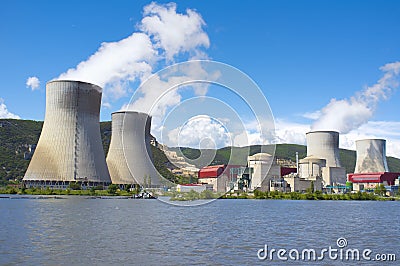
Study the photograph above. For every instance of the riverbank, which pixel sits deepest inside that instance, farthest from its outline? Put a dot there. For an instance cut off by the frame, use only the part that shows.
(318, 195)
(277, 195)
(78, 192)
(192, 195)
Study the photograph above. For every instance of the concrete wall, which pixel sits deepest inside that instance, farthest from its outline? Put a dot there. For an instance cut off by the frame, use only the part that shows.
(262, 175)
(219, 184)
(301, 185)
(334, 175)
(311, 167)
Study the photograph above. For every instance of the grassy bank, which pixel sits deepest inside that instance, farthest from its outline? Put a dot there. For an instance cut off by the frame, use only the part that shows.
(48, 191)
(193, 195)
(318, 195)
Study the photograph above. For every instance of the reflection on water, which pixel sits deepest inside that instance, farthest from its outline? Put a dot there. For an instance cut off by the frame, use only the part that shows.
(77, 230)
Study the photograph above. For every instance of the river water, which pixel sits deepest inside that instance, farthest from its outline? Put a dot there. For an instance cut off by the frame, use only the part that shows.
(83, 231)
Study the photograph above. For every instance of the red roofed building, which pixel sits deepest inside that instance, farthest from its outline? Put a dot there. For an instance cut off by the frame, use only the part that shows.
(211, 171)
(362, 181)
(287, 170)
(220, 176)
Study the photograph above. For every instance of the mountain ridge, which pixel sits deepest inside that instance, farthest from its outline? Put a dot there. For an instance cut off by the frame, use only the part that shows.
(16, 136)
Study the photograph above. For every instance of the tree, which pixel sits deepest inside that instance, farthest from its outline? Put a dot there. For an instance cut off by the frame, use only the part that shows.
(128, 188)
(92, 191)
(310, 190)
(380, 189)
(74, 186)
(112, 189)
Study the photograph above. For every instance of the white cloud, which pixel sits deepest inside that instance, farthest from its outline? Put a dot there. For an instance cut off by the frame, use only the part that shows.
(290, 132)
(206, 132)
(312, 115)
(161, 90)
(348, 114)
(115, 64)
(33, 83)
(164, 35)
(200, 132)
(174, 33)
(4, 113)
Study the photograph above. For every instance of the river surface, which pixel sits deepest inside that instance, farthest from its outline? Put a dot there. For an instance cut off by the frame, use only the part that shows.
(83, 231)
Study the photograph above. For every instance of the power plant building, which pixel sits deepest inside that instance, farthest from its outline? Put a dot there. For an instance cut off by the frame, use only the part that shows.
(221, 178)
(263, 170)
(129, 157)
(69, 147)
(371, 156)
(371, 166)
(323, 158)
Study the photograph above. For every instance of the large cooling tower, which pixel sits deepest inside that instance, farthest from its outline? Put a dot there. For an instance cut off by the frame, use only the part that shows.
(69, 148)
(371, 156)
(129, 158)
(324, 145)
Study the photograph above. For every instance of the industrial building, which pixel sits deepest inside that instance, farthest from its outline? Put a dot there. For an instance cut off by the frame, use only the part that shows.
(371, 166)
(320, 168)
(264, 173)
(262, 170)
(323, 158)
(129, 158)
(69, 147)
(294, 183)
(221, 177)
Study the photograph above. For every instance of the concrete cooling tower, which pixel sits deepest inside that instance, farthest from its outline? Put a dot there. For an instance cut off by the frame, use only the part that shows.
(324, 145)
(69, 147)
(371, 156)
(129, 158)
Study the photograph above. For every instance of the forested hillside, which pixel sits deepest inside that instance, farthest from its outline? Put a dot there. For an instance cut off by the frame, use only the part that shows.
(17, 136)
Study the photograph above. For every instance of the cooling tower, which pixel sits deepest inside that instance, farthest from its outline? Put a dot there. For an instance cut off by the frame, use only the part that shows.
(324, 145)
(371, 156)
(69, 147)
(129, 158)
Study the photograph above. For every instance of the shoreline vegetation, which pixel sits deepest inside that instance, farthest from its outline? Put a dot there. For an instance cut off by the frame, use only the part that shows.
(193, 195)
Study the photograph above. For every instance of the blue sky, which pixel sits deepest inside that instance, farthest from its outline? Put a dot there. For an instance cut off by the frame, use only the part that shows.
(300, 53)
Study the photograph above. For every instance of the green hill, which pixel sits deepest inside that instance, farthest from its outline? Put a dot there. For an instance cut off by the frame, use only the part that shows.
(17, 135)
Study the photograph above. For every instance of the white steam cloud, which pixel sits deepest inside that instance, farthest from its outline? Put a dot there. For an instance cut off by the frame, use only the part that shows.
(4, 113)
(33, 83)
(174, 33)
(163, 34)
(348, 114)
(200, 132)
